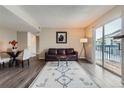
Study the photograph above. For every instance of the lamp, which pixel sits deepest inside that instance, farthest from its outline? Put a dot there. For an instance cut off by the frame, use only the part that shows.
(83, 41)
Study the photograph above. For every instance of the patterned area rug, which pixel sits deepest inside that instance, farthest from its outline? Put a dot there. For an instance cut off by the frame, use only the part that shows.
(63, 76)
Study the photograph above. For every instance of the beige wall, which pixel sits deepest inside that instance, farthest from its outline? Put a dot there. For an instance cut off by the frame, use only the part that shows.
(37, 44)
(89, 44)
(6, 36)
(27, 40)
(114, 13)
(122, 44)
(22, 40)
(90, 30)
(48, 39)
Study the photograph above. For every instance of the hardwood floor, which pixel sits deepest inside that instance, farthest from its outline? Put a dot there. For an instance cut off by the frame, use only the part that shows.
(18, 77)
(100, 76)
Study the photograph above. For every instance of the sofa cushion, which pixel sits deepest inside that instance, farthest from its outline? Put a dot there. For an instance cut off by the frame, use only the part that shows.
(69, 51)
(51, 57)
(60, 51)
(52, 51)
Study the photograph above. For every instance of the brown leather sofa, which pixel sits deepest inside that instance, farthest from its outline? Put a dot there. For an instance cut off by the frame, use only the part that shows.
(52, 53)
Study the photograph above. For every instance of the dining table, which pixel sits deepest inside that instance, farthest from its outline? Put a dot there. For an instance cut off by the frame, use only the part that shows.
(13, 55)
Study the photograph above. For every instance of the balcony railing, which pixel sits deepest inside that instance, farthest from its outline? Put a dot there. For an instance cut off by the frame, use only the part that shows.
(111, 52)
(112, 57)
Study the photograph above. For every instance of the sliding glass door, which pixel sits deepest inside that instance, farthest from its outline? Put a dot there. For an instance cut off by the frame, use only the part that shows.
(108, 50)
(112, 47)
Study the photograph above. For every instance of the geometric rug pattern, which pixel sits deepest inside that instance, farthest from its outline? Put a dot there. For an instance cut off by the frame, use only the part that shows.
(63, 76)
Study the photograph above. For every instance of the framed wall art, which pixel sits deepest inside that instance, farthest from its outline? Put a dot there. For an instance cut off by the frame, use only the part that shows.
(61, 37)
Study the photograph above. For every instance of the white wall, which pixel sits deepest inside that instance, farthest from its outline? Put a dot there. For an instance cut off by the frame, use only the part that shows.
(48, 39)
(90, 30)
(6, 36)
(32, 43)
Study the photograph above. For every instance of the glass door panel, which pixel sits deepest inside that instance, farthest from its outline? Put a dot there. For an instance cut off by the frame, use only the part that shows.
(98, 41)
(112, 47)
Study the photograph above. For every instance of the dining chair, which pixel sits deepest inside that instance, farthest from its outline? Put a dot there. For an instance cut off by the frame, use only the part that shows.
(24, 57)
(4, 60)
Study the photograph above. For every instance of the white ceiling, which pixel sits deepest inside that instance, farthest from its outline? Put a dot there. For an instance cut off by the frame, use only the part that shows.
(12, 22)
(64, 16)
(52, 16)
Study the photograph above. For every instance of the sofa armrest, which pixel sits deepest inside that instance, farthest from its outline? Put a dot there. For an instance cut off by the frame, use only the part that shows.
(76, 53)
(46, 53)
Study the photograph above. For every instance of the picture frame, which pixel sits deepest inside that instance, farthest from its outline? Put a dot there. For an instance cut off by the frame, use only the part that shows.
(61, 37)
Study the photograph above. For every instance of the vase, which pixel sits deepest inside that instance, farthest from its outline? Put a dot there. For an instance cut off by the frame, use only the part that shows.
(14, 49)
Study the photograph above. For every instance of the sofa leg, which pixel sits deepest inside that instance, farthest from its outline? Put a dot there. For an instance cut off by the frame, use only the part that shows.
(3, 64)
(22, 64)
(45, 61)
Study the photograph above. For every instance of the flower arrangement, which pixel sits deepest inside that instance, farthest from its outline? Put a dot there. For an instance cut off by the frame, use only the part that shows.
(13, 43)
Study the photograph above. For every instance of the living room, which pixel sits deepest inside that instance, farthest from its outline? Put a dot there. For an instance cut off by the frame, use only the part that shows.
(39, 28)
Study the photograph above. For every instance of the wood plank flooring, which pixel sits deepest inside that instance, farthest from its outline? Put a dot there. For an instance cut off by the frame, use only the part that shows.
(100, 76)
(17, 77)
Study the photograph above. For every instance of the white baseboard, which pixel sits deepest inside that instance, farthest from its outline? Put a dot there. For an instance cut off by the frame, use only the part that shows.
(41, 58)
(81, 57)
(89, 60)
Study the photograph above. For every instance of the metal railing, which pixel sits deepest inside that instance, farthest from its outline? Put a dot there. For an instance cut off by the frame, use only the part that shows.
(111, 52)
